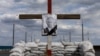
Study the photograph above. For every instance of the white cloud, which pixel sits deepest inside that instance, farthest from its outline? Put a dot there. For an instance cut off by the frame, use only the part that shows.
(39, 22)
(8, 16)
(4, 31)
(19, 26)
(89, 10)
(62, 26)
(6, 3)
(41, 1)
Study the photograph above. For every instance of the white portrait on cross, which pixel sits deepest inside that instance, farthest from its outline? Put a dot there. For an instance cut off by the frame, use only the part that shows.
(49, 22)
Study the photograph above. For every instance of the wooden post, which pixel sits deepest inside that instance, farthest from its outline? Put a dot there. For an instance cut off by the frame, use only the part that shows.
(49, 6)
(49, 46)
(49, 52)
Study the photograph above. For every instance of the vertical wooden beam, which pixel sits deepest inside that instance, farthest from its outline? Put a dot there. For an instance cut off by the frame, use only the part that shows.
(49, 41)
(49, 37)
(49, 6)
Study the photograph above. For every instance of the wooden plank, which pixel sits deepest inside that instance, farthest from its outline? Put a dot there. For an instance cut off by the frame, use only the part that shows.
(68, 16)
(59, 16)
(30, 16)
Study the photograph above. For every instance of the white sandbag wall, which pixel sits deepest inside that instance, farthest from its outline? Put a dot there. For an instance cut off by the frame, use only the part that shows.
(84, 48)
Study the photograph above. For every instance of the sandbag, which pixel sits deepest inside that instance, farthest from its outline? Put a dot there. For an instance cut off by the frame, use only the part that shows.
(20, 44)
(19, 50)
(89, 54)
(31, 44)
(16, 54)
(86, 45)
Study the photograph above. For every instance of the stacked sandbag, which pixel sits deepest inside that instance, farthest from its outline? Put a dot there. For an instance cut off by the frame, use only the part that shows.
(84, 48)
(15, 54)
(87, 48)
(18, 49)
(30, 47)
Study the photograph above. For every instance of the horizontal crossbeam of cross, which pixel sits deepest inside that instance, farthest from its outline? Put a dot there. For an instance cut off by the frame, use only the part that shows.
(59, 16)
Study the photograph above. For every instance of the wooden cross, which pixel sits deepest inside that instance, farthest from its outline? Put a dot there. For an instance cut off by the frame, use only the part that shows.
(59, 16)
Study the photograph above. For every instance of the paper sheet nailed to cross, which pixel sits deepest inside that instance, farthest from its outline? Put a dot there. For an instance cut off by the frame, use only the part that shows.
(49, 22)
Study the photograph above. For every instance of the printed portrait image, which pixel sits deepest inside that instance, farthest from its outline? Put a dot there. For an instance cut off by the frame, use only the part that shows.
(49, 24)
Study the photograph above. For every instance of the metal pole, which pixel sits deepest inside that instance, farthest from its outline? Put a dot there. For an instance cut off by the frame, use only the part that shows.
(82, 32)
(13, 39)
(25, 36)
(70, 36)
(31, 38)
(88, 35)
(64, 38)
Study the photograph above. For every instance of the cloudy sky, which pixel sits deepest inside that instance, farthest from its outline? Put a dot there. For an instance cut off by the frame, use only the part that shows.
(10, 10)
